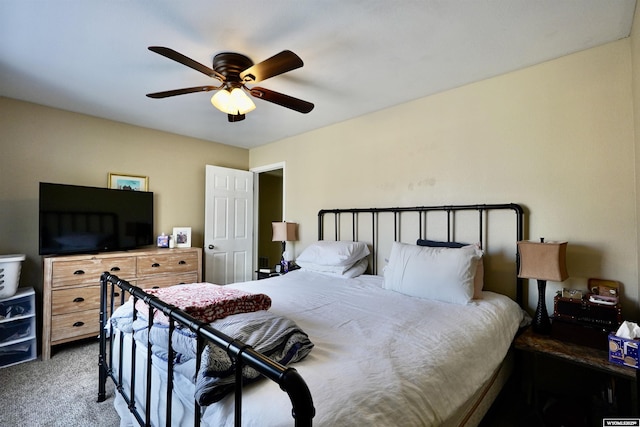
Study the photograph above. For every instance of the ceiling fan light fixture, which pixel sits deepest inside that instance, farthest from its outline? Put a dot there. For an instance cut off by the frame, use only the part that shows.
(233, 70)
(235, 102)
(242, 102)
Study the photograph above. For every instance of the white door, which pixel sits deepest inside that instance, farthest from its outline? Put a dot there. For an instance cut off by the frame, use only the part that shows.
(228, 225)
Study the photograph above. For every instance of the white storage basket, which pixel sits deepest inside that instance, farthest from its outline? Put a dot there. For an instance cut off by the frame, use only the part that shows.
(10, 266)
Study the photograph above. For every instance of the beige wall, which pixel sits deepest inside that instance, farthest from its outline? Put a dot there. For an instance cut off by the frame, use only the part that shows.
(556, 137)
(635, 64)
(44, 144)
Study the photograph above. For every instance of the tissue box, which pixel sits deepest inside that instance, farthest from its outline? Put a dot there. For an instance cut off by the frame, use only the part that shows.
(623, 351)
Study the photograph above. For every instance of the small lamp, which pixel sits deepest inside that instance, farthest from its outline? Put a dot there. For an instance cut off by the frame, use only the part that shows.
(543, 261)
(284, 232)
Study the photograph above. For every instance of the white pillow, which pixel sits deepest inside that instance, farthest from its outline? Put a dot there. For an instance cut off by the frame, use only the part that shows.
(357, 269)
(346, 272)
(478, 280)
(478, 277)
(437, 273)
(321, 268)
(340, 253)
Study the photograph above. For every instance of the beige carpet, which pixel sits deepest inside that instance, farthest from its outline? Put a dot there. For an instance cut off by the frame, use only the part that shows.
(59, 392)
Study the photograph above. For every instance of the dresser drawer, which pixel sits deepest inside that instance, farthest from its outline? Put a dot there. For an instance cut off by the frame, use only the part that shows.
(168, 280)
(71, 300)
(65, 326)
(66, 273)
(174, 261)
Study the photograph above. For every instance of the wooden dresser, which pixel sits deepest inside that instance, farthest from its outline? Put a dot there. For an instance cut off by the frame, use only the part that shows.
(71, 287)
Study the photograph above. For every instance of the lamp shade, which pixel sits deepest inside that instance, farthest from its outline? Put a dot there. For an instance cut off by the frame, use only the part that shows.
(232, 102)
(284, 231)
(543, 260)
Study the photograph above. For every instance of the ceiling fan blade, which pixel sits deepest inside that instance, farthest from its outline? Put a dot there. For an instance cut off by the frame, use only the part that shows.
(282, 99)
(175, 92)
(277, 64)
(184, 60)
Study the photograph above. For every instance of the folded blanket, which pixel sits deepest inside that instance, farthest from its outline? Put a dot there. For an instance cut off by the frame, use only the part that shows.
(277, 337)
(206, 301)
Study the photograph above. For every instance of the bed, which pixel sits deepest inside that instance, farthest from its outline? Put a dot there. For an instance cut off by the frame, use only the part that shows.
(375, 345)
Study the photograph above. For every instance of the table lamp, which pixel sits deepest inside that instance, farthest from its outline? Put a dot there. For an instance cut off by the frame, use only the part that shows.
(542, 261)
(284, 232)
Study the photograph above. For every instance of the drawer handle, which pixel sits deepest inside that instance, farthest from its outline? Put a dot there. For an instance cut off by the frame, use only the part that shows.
(78, 324)
(79, 299)
(155, 287)
(115, 268)
(78, 272)
(116, 294)
(155, 265)
(182, 262)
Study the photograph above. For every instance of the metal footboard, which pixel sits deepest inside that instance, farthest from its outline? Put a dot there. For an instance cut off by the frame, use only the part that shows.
(288, 379)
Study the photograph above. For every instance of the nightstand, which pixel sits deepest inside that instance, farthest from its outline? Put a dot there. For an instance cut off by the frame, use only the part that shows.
(590, 360)
(265, 275)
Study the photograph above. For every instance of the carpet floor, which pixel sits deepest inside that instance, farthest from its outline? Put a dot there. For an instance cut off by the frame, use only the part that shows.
(61, 391)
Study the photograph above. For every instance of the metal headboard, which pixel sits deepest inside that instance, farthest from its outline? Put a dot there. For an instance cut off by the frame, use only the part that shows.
(411, 223)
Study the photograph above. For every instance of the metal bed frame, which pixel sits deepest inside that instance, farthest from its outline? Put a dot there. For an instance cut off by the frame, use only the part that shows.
(347, 222)
(288, 378)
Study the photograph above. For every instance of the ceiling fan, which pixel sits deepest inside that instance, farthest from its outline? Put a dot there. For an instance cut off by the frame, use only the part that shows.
(235, 71)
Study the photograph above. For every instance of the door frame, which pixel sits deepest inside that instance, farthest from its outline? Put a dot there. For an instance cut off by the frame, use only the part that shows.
(256, 194)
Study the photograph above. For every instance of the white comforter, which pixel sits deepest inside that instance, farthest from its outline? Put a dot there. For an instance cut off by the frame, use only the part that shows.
(380, 358)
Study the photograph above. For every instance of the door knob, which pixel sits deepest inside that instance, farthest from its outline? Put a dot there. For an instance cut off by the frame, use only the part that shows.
(211, 246)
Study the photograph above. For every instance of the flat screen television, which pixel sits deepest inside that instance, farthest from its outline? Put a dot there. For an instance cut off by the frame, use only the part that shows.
(77, 219)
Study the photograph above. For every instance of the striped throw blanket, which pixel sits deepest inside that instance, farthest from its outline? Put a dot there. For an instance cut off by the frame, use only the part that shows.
(277, 337)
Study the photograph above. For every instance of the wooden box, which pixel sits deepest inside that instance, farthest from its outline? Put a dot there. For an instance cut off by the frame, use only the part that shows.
(583, 322)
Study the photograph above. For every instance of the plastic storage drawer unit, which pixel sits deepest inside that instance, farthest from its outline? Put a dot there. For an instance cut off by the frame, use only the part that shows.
(18, 328)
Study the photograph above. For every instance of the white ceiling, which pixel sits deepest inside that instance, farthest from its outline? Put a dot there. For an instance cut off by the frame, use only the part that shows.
(360, 56)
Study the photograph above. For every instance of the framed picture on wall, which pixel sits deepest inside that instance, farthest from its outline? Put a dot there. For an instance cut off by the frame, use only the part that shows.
(182, 237)
(128, 182)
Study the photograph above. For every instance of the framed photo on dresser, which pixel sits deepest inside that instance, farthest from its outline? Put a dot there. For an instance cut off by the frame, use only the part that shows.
(182, 237)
